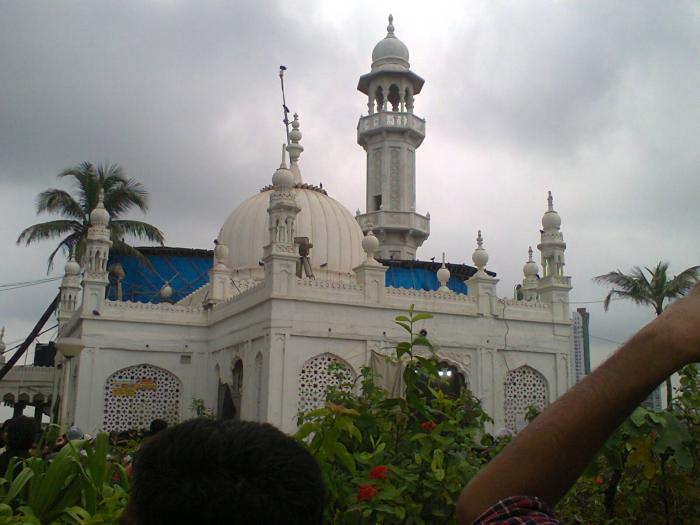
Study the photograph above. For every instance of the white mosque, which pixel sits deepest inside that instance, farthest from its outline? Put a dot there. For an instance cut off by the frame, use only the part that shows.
(295, 283)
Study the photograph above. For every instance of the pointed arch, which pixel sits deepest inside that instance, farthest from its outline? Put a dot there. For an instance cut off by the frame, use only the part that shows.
(136, 395)
(319, 375)
(524, 387)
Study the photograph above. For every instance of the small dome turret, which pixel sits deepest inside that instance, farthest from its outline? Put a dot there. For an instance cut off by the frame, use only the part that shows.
(390, 50)
(99, 216)
(551, 219)
(530, 269)
(72, 267)
(283, 177)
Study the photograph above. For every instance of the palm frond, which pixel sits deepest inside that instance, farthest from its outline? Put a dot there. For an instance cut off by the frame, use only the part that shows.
(622, 294)
(683, 282)
(67, 244)
(59, 201)
(48, 230)
(141, 230)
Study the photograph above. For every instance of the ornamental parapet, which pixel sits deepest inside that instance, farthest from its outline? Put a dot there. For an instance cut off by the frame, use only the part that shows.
(328, 285)
(430, 295)
(243, 288)
(133, 306)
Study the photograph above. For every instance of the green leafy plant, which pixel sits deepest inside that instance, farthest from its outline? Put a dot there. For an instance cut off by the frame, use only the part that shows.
(402, 460)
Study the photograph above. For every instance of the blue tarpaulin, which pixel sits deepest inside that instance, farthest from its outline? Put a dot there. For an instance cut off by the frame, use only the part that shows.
(421, 279)
(184, 269)
(188, 269)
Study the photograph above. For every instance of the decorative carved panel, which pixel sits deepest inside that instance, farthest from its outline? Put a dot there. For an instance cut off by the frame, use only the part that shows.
(317, 378)
(137, 395)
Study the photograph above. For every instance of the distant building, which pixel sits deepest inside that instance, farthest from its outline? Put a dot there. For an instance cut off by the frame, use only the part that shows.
(580, 344)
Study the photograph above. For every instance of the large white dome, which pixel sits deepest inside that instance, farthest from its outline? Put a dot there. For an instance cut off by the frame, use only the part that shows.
(334, 232)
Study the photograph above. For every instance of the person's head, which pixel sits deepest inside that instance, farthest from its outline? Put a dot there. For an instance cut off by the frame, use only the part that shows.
(236, 472)
(156, 426)
(21, 433)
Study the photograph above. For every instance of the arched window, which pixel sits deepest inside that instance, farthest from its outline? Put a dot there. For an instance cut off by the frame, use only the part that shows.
(319, 375)
(525, 387)
(136, 395)
(394, 98)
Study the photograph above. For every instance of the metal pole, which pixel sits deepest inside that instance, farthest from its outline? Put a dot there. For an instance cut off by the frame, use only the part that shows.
(285, 109)
(30, 338)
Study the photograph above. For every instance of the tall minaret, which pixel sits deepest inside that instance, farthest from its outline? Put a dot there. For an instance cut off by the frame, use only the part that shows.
(95, 278)
(390, 134)
(554, 286)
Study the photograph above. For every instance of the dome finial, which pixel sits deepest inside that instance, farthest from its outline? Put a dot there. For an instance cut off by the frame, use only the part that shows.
(390, 27)
(550, 201)
(283, 177)
(529, 253)
(480, 256)
(283, 164)
(443, 276)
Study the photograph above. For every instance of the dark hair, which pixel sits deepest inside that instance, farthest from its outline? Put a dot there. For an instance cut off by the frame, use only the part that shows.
(235, 472)
(157, 425)
(21, 433)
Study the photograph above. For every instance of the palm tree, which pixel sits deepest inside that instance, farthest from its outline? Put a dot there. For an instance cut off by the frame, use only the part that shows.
(653, 291)
(120, 195)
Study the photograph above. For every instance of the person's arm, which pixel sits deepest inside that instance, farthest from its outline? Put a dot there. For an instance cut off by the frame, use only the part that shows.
(547, 457)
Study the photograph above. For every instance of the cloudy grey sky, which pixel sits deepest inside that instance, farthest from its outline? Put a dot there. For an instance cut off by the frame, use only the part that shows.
(597, 101)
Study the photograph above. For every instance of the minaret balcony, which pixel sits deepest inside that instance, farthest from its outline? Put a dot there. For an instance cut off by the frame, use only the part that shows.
(386, 220)
(395, 121)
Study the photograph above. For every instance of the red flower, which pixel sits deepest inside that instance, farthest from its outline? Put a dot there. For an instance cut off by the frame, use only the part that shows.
(378, 472)
(428, 426)
(598, 480)
(366, 492)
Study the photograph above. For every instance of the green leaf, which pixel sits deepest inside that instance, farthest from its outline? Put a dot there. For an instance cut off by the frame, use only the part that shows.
(18, 484)
(402, 318)
(404, 326)
(344, 456)
(421, 317)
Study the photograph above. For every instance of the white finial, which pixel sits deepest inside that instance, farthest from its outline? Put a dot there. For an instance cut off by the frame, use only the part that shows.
(295, 149)
(530, 269)
(443, 276)
(283, 164)
(370, 244)
(72, 267)
(99, 215)
(480, 256)
(283, 177)
(166, 292)
(390, 27)
(550, 201)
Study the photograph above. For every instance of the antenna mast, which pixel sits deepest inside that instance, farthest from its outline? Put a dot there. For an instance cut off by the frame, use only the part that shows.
(285, 109)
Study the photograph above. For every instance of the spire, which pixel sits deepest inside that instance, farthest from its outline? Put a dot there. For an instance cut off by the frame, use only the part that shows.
(295, 149)
(283, 177)
(550, 201)
(390, 27)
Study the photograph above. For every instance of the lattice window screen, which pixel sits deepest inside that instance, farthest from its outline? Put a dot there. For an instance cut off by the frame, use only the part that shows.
(316, 379)
(137, 395)
(524, 387)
